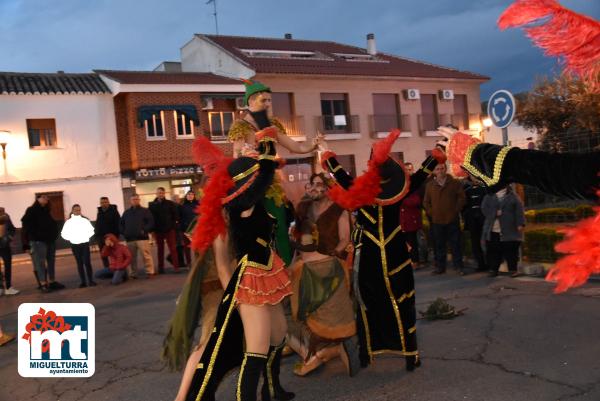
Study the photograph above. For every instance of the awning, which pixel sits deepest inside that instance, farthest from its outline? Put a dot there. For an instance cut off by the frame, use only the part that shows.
(188, 110)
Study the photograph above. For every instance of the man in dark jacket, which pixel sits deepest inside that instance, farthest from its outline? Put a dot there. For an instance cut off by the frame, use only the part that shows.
(107, 222)
(136, 224)
(444, 199)
(166, 218)
(473, 218)
(41, 230)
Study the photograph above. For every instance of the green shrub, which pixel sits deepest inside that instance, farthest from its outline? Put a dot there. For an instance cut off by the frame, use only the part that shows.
(559, 214)
(538, 245)
(584, 211)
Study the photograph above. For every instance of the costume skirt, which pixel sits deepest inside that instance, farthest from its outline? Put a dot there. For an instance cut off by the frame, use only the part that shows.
(262, 286)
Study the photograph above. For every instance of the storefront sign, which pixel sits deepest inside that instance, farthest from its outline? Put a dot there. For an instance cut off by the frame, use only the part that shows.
(167, 172)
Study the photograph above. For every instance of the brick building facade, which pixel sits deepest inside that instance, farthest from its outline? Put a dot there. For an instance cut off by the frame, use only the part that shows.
(158, 115)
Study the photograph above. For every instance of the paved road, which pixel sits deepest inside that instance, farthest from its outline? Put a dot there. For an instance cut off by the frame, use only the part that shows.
(516, 341)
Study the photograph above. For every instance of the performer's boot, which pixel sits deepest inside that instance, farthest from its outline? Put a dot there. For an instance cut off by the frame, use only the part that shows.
(412, 362)
(252, 366)
(272, 389)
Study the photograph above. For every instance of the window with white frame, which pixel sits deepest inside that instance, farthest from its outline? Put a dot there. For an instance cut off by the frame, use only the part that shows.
(219, 123)
(155, 126)
(41, 133)
(184, 126)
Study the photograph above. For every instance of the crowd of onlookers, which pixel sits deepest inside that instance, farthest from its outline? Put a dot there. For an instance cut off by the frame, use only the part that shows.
(164, 221)
(494, 222)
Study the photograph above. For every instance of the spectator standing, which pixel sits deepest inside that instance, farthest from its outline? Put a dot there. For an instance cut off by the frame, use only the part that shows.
(7, 232)
(188, 213)
(178, 233)
(136, 224)
(444, 199)
(119, 257)
(411, 221)
(166, 218)
(78, 230)
(41, 230)
(107, 222)
(473, 218)
(503, 229)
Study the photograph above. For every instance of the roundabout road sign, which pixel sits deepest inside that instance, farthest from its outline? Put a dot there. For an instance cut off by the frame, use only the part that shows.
(501, 108)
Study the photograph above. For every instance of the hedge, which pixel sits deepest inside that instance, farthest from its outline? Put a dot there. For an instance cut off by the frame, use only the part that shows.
(559, 214)
(538, 245)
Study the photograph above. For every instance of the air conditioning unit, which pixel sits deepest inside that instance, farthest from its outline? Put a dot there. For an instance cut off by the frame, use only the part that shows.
(412, 94)
(239, 103)
(207, 103)
(446, 94)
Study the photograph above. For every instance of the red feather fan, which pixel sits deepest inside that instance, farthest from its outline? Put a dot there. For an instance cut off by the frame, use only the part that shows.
(582, 243)
(363, 191)
(210, 219)
(206, 154)
(210, 216)
(560, 32)
(365, 187)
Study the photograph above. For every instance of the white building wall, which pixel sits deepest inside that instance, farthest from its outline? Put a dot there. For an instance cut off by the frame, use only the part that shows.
(199, 55)
(517, 135)
(85, 163)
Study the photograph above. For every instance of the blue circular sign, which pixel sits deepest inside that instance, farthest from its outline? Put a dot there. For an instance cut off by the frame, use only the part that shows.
(501, 108)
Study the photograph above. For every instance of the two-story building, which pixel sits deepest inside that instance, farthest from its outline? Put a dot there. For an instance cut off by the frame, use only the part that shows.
(60, 140)
(353, 95)
(158, 114)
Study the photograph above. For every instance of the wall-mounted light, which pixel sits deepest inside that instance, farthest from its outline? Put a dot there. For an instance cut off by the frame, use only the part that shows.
(4, 137)
(487, 122)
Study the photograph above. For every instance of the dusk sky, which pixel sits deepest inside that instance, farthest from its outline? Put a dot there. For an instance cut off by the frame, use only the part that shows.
(81, 35)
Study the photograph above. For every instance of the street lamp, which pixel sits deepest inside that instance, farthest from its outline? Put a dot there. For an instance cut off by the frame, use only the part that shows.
(487, 123)
(4, 136)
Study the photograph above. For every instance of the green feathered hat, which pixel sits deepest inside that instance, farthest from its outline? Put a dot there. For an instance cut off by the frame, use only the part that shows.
(253, 87)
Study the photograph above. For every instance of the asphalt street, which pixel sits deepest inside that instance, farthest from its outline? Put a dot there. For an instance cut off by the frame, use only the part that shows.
(515, 341)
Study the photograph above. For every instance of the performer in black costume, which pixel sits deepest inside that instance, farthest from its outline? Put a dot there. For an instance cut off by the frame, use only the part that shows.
(250, 311)
(385, 287)
(573, 175)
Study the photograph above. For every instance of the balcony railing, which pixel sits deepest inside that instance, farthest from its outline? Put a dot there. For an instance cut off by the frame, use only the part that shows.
(340, 124)
(428, 122)
(294, 126)
(460, 121)
(388, 122)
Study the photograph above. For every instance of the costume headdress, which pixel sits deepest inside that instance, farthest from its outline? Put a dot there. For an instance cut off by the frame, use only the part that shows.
(253, 87)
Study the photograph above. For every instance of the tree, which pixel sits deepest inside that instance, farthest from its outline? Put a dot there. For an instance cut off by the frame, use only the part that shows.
(564, 113)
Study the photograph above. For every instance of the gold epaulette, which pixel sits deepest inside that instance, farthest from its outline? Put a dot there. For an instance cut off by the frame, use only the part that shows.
(278, 124)
(471, 164)
(239, 130)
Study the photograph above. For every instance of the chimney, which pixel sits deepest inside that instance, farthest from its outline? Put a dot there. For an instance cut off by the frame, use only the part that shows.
(288, 36)
(371, 48)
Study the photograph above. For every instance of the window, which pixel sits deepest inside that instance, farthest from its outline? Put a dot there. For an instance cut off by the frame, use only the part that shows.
(219, 123)
(430, 119)
(460, 118)
(184, 127)
(386, 116)
(290, 54)
(41, 133)
(334, 110)
(155, 126)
